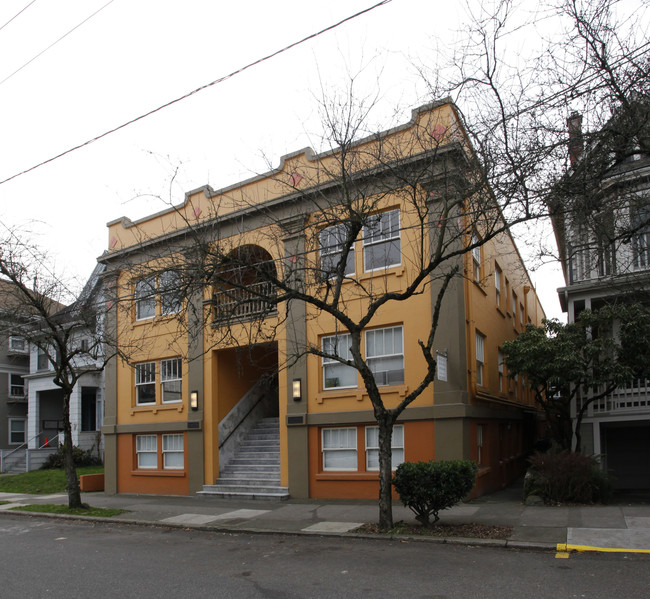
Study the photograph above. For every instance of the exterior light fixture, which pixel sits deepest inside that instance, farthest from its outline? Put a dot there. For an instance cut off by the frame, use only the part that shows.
(194, 400)
(297, 390)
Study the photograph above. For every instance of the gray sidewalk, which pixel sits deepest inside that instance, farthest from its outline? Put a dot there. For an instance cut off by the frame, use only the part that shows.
(618, 527)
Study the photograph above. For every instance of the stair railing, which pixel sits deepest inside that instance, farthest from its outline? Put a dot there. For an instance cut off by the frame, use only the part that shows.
(4, 456)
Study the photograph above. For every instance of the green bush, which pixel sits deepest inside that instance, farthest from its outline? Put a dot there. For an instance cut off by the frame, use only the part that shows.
(567, 477)
(81, 458)
(429, 487)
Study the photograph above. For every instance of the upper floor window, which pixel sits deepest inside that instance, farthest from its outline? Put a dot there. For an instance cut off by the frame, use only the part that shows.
(501, 360)
(497, 283)
(145, 298)
(514, 308)
(170, 380)
(640, 224)
(381, 241)
(480, 359)
(17, 344)
(16, 385)
(332, 242)
(476, 257)
(385, 355)
(171, 296)
(335, 374)
(145, 383)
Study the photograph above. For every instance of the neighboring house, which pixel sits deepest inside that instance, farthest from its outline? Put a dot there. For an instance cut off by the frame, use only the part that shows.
(45, 398)
(174, 412)
(603, 234)
(14, 364)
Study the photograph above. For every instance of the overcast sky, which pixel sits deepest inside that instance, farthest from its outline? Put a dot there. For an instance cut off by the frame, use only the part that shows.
(133, 56)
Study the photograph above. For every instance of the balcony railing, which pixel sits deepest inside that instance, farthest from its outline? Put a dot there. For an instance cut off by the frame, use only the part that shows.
(634, 397)
(243, 304)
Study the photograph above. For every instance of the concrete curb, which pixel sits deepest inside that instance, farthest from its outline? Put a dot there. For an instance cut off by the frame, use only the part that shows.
(466, 541)
(568, 547)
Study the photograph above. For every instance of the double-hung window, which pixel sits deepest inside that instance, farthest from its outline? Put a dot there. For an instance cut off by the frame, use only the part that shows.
(381, 241)
(145, 298)
(385, 355)
(497, 284)
(16, 431)
(480, 359)
(339, 448)
(335, 374)
(17, 344)
(173, 455)
(501, 359)
(145, 383)
(170, 380)
(372, 447)
(476, 258)
(170, 292)
(16, 385)
(332, 242)
(146, 448)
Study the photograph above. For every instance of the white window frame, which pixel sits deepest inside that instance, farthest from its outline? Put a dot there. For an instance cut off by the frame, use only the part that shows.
(374, 359)
(352, 448)
(145, 298)
(17, 340)
(372, 449)
(171, 298)
(146, 445)
(145, 375)
(173, 446)
(497, 283)
(480, 359)
(372, 240)
(11, 432)
(171, 372)
(500, 368)
(12, 385)
(476, 258)
(342, 347)
(331, 248)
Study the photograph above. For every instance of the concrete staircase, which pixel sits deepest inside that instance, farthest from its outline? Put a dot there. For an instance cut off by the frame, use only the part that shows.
(254, 472)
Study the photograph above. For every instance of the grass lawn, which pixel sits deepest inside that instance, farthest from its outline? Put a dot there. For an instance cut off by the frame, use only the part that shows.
(41, 482)
(50, 508)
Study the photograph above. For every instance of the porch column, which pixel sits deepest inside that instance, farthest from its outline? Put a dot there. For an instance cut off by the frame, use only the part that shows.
(33, 418)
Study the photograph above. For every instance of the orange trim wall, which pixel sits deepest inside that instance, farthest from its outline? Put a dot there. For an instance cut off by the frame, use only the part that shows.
(148, 482)
(418, 446)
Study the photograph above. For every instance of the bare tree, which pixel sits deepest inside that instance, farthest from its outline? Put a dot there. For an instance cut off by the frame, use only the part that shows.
(69, 338)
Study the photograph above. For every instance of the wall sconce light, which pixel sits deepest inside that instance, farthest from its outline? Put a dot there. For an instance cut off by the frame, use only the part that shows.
(194, 400)
(297, 390)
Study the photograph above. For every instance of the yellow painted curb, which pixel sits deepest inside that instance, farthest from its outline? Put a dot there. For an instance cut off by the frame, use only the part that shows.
(567, 547)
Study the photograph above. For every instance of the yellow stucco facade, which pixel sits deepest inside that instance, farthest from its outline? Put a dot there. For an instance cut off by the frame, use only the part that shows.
(157, 442)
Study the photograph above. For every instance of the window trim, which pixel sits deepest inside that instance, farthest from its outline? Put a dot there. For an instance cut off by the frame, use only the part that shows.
(498, 275)
(368, 242)
(167, 291)
(500, 368)
(14, 338)
(477, 261)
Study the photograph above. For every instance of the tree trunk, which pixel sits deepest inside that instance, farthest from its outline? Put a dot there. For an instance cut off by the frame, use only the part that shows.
(74, 491)
(385, 472)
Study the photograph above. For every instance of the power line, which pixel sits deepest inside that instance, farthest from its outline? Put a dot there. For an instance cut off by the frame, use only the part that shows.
(17, 14)
(195, 91)
(55, 42)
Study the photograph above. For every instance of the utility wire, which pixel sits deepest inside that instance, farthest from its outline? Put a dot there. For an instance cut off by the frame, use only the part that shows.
(31, 60)
(195, 91)
(17, 14)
